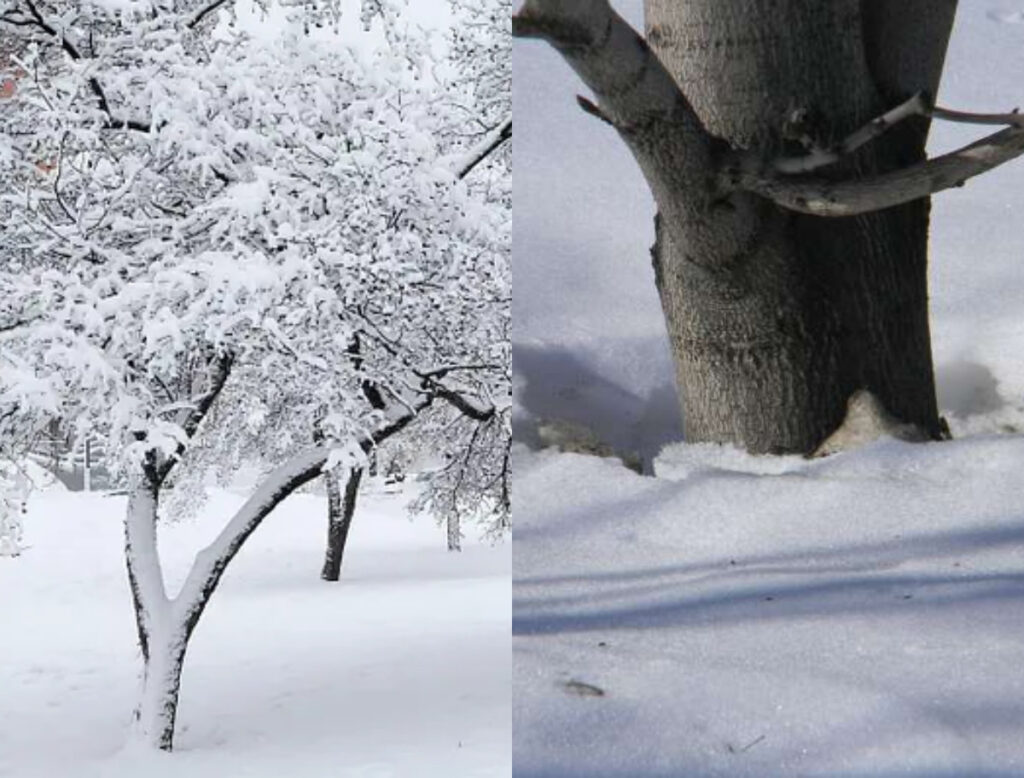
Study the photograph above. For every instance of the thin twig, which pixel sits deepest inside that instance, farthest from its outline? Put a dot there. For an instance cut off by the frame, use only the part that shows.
(820, 157)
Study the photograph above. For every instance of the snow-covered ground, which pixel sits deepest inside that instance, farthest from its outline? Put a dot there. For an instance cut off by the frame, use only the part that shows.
(856, 616)
(400, 669)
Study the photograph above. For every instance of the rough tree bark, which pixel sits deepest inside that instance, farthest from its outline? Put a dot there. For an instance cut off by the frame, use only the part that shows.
(792, 268)
(340, 509)
(453, 531)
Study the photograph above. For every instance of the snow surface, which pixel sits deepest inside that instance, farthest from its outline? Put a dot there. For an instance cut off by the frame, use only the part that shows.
(857, 615)
(400, 669)
(739, 616)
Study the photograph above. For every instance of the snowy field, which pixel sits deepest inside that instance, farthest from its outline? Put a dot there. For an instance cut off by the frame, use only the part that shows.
(736, 616)
(401, 669)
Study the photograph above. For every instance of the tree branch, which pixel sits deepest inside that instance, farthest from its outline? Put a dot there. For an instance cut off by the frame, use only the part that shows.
(211, 562)
(198, 412)
(456, 399)
(495, 140)
(635, 94)
(202, 13)
(16, 325)
(820, 157)
(370, 389)
(1013, 118)
(393, 428)
(37, 20)
(822, 197)
(430, 380)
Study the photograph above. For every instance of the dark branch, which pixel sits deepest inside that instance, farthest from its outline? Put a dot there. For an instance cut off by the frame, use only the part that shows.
(196, 20)
(38, 21)
(370, 389)
(457, 400)
(504, 135)
(852, 197)
(918, 105)
(221, 370)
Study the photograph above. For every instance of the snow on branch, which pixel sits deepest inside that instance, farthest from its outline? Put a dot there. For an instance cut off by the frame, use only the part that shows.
(823, 197)
(197, 18)
(493, 141)
(457, 400)
(211, 562)
(37, 20)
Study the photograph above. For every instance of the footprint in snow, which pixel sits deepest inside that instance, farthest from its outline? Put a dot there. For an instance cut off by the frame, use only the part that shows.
(581, 689)
(1006, 17)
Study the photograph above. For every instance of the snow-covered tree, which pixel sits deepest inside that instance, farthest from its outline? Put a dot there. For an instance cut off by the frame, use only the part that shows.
(477, 126)
(25, 405)
(192, 217)
(13, 493)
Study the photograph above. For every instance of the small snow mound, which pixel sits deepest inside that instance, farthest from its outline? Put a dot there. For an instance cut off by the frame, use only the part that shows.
(967, 388)
(679, 461)
(1006, 17)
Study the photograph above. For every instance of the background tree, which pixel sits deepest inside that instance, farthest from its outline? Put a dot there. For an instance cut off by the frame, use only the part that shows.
(784, 147)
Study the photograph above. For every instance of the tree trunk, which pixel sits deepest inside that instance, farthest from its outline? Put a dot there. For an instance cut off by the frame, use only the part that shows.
(775, 325)
(776, 317)
(163, 654)
(161, 681)
(454, 532)
(339, 519)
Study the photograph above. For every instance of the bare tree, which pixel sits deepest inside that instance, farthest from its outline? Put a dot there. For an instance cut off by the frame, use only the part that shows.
(784, 145)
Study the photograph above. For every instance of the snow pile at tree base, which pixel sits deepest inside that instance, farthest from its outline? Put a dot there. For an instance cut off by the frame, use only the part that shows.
(746, 616)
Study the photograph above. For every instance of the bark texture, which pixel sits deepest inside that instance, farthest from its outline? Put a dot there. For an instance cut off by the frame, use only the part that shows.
(453, 530)
(778, 315)
(340, 510)
(776, 325)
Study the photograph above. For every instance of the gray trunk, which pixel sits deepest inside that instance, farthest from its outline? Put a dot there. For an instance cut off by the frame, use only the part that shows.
(777, 318)
(454, 532)
(340, 509)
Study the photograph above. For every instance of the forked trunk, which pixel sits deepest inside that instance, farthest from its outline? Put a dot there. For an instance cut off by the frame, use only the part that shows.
(164, 625)
(340, 510)
(776, 324)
